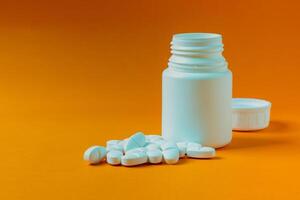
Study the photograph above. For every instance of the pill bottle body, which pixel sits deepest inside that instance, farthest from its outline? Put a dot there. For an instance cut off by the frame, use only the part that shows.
(196, 105)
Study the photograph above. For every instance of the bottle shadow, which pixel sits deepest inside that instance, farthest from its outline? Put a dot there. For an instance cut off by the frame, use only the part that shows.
(265, 137)
(274, 127)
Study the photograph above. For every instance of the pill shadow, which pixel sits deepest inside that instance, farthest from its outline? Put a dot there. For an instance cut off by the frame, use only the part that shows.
(136, 166)
(214, 158)
(182, 161)
(252, 139)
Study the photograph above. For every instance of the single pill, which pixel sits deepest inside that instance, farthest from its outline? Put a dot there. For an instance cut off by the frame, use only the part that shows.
(137, 150)
(159, 142)
(202, 152)
(135, 141)
(182, 148)
(154, 137)
(154, 156)
(150, 138)
(114, 157)
(193, 145)
(94, 154)
(116, 147)
(168, 145)
(151, 146)
(207, 152)
(112, 142)
(123, 143)
(171, 156)
(139, 138)
(147, 140)
(132, 159)
(193, 149)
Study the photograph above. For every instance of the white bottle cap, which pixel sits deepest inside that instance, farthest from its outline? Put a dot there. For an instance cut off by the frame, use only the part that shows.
(250, 114)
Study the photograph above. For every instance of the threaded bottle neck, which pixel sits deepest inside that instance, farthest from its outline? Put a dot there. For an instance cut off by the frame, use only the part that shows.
(197, 52)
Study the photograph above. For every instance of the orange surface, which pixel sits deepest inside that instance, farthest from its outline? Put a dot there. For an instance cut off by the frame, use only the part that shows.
(77, 73)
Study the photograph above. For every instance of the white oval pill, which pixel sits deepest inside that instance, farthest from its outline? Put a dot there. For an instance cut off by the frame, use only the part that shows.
(171, 156)
(154, 156)
(137, 150)
(153, 137)
(208, 152)
(114, 157)
(159, 142)
(132, 159)
(168, 145)
(182, 148)
(112, 142)
(123, 143)
(115, 147)
(193, 145)
(135, 141)
(193, 149)
(202, 152)
(151, 146)
(94, 154)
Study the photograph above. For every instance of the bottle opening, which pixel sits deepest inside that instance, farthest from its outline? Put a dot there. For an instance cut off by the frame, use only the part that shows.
(192, 52)
(196, 36)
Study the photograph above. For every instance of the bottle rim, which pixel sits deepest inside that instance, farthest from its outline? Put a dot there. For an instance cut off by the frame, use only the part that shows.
(196, 36)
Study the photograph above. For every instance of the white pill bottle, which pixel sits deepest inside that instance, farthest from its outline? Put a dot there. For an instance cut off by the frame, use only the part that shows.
(197, 91)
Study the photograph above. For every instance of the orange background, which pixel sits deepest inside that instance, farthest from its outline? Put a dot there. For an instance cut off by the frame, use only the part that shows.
(77, 73)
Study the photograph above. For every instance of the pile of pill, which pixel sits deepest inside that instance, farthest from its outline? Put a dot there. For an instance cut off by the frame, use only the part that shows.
(140, 149)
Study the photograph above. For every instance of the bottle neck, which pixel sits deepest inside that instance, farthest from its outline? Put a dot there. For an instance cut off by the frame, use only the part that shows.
(197, 52)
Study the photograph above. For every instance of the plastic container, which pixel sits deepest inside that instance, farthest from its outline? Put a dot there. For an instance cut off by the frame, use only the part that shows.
(250, 114)
(197, 91)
